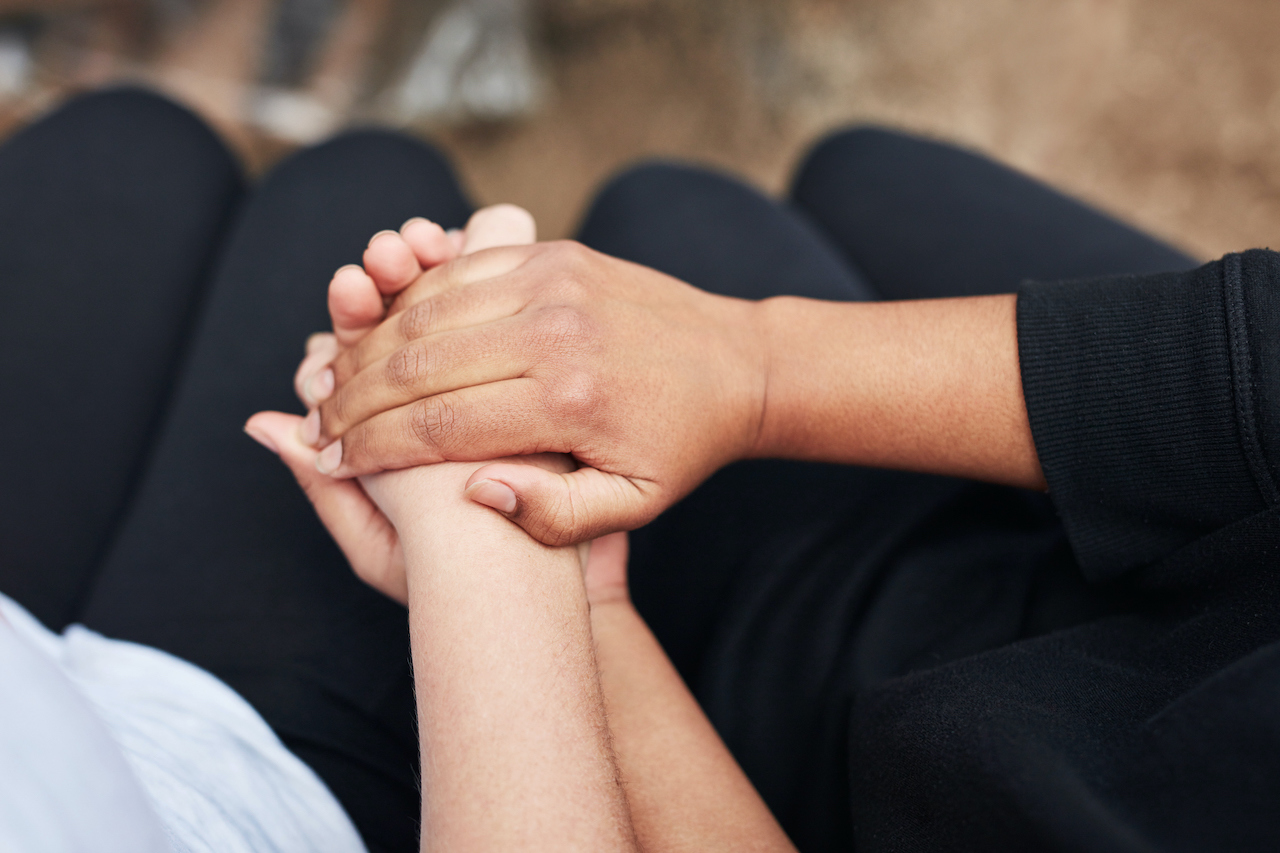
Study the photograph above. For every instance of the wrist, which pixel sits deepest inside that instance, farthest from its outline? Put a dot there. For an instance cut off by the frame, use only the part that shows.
(753, 338)
(775, 317)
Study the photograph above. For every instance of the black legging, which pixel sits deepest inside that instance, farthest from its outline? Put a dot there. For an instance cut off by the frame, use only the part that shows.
(151, 305)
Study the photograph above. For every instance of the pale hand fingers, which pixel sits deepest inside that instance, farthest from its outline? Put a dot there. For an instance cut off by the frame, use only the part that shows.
(484, 422)
(391, 262)
(564, 509)
(499, 225)
(428, 366)
(356, 294)
(355, 304)
(363, 533)
(429, 242)
(322, 347)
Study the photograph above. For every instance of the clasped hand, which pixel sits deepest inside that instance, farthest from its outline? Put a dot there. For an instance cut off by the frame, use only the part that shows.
(484, 353)
(479, 345)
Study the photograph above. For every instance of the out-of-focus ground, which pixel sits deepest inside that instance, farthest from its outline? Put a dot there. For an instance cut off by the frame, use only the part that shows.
(1166, 112)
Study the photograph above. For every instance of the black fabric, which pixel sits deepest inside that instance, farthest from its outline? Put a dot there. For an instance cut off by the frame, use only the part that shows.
(110, 212)
(187, 535)
(976, 226)
(1152, 730)
(1128, 386)
(900, 662)
(1153, 402)
(1261, 311)
(718, 234)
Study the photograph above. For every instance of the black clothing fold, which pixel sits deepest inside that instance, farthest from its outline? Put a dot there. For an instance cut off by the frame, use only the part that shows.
(1153, 404)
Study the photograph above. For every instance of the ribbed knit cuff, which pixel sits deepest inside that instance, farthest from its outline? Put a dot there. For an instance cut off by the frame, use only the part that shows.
(1129, 389)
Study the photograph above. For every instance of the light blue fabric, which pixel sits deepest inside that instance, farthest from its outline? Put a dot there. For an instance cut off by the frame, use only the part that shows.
(107, 745)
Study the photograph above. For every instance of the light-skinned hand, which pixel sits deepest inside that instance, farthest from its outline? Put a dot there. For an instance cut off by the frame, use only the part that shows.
(358, 299)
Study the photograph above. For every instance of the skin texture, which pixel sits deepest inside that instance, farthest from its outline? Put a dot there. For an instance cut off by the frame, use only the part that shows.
(517, 753)
(652, 385)
(483, 357)
(557, 722)
(515, 749)
(925, 385)
(685, 790)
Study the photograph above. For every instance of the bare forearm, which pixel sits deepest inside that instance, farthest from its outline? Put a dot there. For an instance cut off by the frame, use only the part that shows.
(926, 385)
(685, 790)
(515, 749)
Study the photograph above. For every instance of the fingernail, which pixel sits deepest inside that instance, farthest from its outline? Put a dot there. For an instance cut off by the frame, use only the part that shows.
(320, 386)
(310, 430)
(414, 219)
(379, 234)
(261, 437)
(493, 494)
(328, 460)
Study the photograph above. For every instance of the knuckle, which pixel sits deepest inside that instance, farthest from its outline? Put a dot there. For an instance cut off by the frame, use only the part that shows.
(409, 367)
(575, 395)
(564, 328)
(418, 320)
(572, 287)
(567, 337)
(570, 263)
(431, 424)
(568, 250)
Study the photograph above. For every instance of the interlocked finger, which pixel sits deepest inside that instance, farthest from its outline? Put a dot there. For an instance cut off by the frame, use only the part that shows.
(507, 418)
(463, 271)
(431, 365)
(486, 302)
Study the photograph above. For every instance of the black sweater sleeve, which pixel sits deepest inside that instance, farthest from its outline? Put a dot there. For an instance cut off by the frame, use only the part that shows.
(1155, 404)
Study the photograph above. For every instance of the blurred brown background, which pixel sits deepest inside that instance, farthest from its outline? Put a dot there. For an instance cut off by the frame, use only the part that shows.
(1166, 112)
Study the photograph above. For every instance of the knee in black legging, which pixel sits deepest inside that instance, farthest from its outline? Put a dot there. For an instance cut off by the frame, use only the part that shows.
(715, 232)
(363, 166)
(129, 132)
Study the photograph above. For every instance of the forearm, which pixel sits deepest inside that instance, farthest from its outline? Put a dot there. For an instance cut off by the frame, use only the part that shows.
(926, 385)
(685, 790)
(515, 749)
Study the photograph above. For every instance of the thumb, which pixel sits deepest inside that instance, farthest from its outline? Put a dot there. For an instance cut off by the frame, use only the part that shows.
(564, 509)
